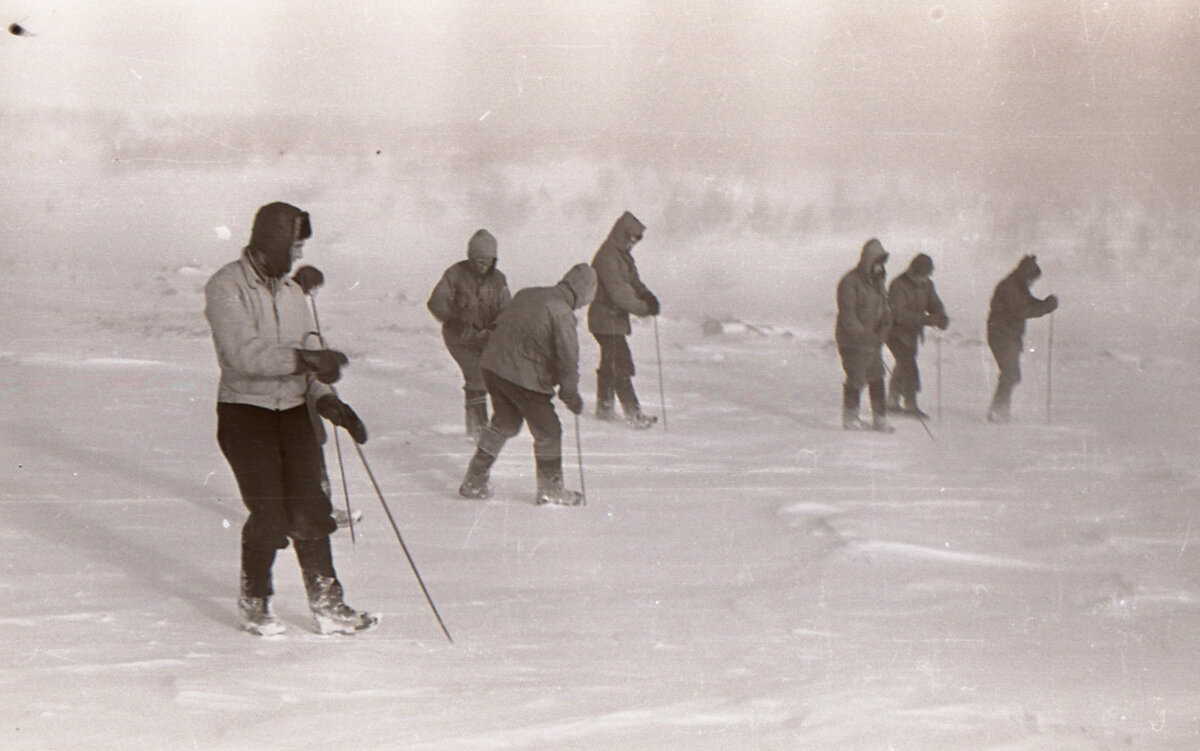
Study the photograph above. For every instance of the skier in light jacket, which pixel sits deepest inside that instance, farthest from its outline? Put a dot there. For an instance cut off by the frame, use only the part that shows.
(863, 322)
(619, 294)
(269, 382)
(915, 304)
(533, 350)
(1012, 303)
(467, 300)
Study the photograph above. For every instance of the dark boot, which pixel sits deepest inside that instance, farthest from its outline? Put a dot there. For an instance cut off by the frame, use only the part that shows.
(1000, 410)
(550, 489)
(911, 408)
(331, 615)
(475, 483)
(254, 595)
(893, 395)
(634, 417)
(879, 407)
(604, 397)
(850, 401)
(476, 412)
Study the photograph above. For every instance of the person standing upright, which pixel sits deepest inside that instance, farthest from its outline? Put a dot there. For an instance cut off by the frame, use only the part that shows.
(467, 300)
(863, 322)
(619, 294)
(915, 304)
(1012, 303)
(260, 320)
(534, 349)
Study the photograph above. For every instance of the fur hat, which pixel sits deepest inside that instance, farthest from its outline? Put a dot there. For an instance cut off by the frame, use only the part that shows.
(277, 225)
(481, 245)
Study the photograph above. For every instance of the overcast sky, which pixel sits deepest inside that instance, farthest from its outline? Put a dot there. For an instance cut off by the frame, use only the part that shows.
(753, 67)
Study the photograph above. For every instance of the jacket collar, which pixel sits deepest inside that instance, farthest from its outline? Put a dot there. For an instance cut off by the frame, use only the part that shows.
(254, 272)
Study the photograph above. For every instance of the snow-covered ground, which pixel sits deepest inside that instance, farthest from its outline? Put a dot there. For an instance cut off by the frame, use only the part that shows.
(751, 577)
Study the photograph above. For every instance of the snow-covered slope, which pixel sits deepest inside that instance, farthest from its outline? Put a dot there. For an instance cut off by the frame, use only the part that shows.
(753, 577)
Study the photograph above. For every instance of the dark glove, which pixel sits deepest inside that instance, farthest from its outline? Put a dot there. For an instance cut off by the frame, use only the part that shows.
(936, 320)
(339, 413)
(1051, 303)
(652, 303)
(325, 363)
(457, 328)
(572, 399)
(479, 337)
(309, 278)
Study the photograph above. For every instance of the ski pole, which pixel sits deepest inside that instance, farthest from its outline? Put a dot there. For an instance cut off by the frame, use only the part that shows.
(337, 444)
(661, 394)
(579, 455)
(939, 378)
(917, 415)
(1049, 367)
(400, 538)
(317, 321)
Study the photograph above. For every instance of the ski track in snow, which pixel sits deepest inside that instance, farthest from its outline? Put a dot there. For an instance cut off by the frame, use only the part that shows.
(920, 552)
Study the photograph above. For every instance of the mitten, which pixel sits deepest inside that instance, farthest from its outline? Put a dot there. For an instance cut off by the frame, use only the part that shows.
(572, 400)
(339, 413)
(326, 364)
(309, 278)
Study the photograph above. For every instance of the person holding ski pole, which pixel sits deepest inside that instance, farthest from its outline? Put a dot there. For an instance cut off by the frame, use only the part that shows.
(619, 294)
(1012, 303)
(863, 322)
(466, 300)
(534, 349)
(260, 320)
(915, 304)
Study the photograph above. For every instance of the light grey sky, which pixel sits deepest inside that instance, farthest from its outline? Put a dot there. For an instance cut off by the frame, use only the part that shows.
(754, 67)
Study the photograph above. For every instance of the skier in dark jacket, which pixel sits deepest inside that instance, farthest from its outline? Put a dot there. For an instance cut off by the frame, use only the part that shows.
(1012, 304)
(466, 300)
(533, 350)
(270, 387)
(915, 304)
(863, 322)
(619, 294)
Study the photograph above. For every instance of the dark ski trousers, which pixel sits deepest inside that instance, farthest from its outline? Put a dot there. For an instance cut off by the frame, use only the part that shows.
(615, 373)
(906, 378)
(1006, 348)
(467, 357)
(513, 405)
(279, 467)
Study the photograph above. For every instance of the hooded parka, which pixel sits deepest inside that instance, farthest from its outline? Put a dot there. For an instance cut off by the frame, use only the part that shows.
(619, 290)
(535, 344)
(864, 317)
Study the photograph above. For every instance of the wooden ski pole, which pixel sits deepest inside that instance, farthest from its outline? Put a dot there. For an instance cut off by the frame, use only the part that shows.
(579, 456)
(661, 394)
(939, 378)
(1049, 369)
(337, 444)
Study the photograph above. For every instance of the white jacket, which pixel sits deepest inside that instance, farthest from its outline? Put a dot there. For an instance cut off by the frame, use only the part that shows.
(256, 324)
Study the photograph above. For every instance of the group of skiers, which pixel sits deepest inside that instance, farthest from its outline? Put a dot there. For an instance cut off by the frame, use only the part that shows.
(871, 313)
(277, 376)
(520, 349)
